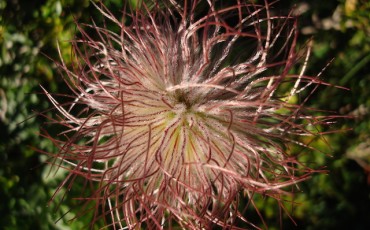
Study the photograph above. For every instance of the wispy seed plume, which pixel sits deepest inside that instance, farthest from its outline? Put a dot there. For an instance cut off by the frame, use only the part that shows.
(183, 111)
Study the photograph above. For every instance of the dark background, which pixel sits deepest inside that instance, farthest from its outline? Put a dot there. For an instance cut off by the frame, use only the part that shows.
(29, 31)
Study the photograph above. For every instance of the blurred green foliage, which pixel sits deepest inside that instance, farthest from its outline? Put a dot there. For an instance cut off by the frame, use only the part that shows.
(29, 31)
(29, 34)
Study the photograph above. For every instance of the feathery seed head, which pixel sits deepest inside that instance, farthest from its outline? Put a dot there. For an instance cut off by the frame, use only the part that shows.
(178, 115)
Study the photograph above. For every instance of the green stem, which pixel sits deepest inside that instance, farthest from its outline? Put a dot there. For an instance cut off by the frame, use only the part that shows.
(355, 69)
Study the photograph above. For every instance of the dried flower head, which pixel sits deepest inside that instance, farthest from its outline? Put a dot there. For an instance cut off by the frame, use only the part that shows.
(185, 111)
